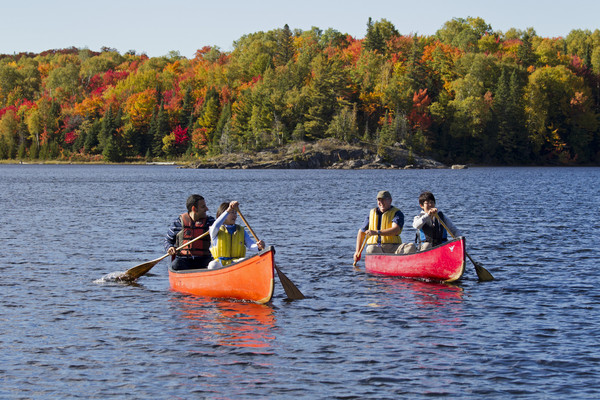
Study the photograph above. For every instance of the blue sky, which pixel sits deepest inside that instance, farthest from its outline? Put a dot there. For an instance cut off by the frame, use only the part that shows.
(157, 27)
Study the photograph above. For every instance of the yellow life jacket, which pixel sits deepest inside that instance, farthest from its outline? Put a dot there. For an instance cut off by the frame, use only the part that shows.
(386, 223)
(229, 247)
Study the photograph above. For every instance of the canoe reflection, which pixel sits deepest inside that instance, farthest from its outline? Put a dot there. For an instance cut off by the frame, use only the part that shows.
(440, 304)
(229, 323)
(431, 301)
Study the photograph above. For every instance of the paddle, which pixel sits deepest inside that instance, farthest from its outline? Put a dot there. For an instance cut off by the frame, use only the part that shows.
(292, 292)
(361, 249)
(133, 273)
(482, 273)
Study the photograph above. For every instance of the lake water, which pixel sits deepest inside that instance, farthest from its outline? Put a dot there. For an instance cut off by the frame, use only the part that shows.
(531, 333)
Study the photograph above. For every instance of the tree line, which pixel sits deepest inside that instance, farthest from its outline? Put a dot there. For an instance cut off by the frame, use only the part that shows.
(466, 94)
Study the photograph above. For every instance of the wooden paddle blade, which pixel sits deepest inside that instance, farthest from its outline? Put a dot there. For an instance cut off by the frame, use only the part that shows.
(133, 273)
(482, 273)
(291, 291)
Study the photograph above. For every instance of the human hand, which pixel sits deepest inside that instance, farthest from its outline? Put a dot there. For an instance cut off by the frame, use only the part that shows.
(171, 251)
(233, 206)
(432, 212)
(260, 244)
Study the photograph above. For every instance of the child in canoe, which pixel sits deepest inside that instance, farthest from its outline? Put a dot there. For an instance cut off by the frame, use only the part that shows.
(229, 241)
(430, 232)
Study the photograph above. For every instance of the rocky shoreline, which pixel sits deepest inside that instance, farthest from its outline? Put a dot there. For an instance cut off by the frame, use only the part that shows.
(325, 154)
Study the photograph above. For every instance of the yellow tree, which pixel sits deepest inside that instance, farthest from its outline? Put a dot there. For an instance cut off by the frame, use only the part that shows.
(561, 122)
(9, 137)
(139, 108)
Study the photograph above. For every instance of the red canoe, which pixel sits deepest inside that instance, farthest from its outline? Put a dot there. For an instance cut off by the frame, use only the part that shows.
(445, 263)
(250, 279)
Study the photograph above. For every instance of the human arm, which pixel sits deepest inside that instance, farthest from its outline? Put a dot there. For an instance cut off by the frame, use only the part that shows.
(214, 228)
(360, 238)
(170, 237)
(251, 244)
(453, 229)
(421, 219)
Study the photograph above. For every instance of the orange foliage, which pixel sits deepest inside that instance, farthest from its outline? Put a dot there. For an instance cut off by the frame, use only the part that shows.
(351, 54)
(371, 101)
(89, 106)
(419, 115)
(400, 47)
(448, 52)
(140, 107)
(200, 139)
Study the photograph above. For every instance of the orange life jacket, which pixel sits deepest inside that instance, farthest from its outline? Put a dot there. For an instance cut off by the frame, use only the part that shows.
(191, 230)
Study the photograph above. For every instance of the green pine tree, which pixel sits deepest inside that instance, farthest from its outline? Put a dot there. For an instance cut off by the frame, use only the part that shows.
(161, 130)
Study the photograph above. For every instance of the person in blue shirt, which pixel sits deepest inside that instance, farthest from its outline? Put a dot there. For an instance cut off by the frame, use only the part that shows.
(430, 232)
(382, 229)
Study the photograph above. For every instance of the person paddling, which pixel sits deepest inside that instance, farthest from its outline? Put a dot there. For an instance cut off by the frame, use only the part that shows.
(229, 241)
(188, 226)
(382, 229)
(430, 232)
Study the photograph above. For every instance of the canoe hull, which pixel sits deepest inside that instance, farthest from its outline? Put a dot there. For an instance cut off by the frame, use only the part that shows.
(250, 279)
(444, 263)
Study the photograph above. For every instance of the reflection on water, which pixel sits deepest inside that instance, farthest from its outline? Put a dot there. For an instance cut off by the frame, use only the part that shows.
(228, 323)
(430, 293)
(439, 303)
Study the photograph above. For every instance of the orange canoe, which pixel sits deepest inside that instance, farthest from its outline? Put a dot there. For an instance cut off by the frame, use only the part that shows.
(250, 279)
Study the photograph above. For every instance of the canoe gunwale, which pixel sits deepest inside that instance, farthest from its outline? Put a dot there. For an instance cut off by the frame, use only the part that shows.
(194, 271)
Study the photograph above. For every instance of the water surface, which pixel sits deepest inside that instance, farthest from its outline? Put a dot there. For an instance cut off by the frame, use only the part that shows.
(531, 333)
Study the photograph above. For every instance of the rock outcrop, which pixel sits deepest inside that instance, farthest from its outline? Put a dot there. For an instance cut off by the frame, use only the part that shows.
(325, 154)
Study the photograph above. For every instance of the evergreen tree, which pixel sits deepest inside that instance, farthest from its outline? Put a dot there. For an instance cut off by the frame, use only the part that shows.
(148, 141)
(111, 152)
(501, 115)
(222, 124)
(525, 51)
(111, 145)
(285, 46)
(343, 126)
(90, 142)
(108, 126)
(161, 130)
(187, 109)
(373, 39)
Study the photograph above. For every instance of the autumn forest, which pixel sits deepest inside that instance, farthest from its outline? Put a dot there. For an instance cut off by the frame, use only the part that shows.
(467, 94)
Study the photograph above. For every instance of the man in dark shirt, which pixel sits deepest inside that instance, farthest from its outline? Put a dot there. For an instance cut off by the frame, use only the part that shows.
(186, 227)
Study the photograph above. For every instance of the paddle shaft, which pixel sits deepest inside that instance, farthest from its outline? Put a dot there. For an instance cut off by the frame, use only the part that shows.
(451, 234)
(141, 269)
(190, 242)
(290, 289)
(184, 245)
(248, 226)
(362, 246)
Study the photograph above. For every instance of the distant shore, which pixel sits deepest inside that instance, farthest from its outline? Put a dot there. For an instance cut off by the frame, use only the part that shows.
(324, 154)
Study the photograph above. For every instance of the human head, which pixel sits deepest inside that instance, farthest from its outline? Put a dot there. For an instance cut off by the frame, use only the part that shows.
(192, 201)
(384, 194)
(230, 220)
(384, 200)
(222, 208)
(426, 196)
